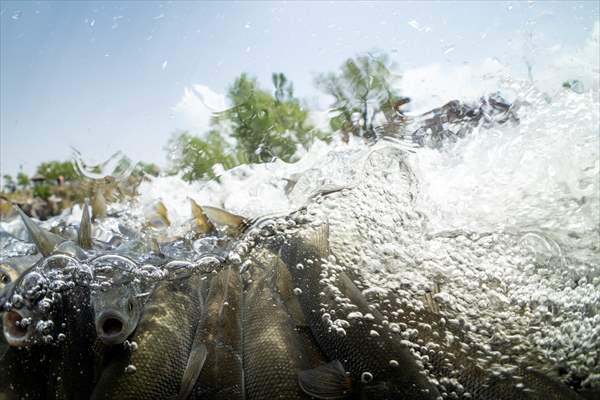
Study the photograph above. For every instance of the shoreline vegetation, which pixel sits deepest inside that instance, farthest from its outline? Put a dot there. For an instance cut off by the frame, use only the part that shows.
(260, 125)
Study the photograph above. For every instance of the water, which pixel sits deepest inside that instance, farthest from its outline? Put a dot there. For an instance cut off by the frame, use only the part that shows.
(497, 230)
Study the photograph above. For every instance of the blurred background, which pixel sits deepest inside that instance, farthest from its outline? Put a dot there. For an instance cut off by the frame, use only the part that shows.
(197, 88)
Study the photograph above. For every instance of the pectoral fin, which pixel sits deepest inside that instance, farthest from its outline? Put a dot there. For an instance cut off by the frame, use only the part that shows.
(328, 381)
(192, 369)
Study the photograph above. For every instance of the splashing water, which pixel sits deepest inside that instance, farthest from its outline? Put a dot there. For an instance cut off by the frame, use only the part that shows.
(498, 231)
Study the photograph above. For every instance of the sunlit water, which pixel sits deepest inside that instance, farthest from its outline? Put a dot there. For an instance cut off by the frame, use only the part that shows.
(501, 226)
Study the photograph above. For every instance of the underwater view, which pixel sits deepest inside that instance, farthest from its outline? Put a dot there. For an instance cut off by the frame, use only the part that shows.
(299, 200)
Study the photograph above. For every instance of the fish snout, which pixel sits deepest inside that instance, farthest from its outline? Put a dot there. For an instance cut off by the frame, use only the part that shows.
(111, 328)
(16, 328)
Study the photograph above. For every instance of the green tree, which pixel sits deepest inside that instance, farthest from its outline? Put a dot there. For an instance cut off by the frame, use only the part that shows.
(8, 183)
(42, 191)
(196, 156)
(266, 125)
(147, 168)
(22, 180)
(53, 169)
(363, 92)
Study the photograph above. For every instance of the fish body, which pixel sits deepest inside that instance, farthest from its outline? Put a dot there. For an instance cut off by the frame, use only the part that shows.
(273, 349)
(451, 357)
(158, 366)
(379, 366)
(221, 332)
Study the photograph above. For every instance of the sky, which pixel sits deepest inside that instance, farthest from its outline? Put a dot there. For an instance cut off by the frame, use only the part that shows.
(107, 76)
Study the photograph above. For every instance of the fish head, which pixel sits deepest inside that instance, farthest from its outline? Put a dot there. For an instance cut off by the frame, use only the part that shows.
(117, 311)
(17, 314)
(17, 327)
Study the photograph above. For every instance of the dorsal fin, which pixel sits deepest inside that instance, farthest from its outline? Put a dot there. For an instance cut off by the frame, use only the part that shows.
(98, 205)
(225, 218)
(203, 224)
(157, 215)
(84, 234)
(44, 241)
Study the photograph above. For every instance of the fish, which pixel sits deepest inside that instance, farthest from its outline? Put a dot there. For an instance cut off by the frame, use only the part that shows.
(222, 375)
(167, 356)
(451, 357)
(394, 367)
(11, 270)
(74, 351)
(374, 366)
(117, 308)
(273, 349)
(52, 357)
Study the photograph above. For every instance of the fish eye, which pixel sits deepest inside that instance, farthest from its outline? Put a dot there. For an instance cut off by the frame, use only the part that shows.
(4, 278)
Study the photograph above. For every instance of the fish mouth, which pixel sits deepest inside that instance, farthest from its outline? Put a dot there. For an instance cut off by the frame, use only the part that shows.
(15, 334)
(110, 328)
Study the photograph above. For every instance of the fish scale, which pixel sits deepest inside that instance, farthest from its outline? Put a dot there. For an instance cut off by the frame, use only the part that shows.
(164, 338)
(357, 350)
(222, 376)
(272, 349)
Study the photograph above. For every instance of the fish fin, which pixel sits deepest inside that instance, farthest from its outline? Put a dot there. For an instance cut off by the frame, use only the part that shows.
(45, 241)
(155, 247)
(162, 210)
(84, 233)
(326, 190)
(327, 381)
(225, 218)
(203, 224)
(192, 370)
(319, 240)
(98, 205)
(283, 282)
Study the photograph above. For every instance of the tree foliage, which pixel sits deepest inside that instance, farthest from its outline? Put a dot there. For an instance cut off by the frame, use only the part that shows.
(364, 94)
(197, 156)
(54, 169)
(22, 180)
(258, 127)
(42, 191)
(266, 125)
(147, 168)
(8, 183)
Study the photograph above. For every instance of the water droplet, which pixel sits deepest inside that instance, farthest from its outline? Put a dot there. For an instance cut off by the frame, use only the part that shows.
(448, 49)
(374, 333)
(164, 64)
(297, 291)
(17, 14)
(130, 369)
(393, 363)
(366, 377)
